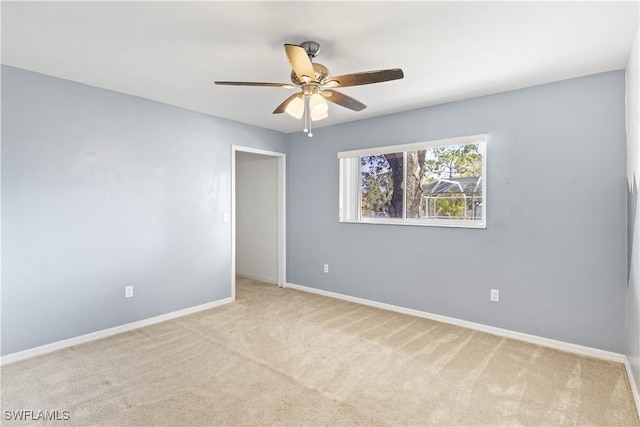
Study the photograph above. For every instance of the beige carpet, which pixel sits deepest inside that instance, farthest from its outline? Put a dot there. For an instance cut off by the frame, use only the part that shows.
(284, 357)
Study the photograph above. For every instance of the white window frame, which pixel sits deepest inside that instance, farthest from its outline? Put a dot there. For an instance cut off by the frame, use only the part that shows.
(350, 195)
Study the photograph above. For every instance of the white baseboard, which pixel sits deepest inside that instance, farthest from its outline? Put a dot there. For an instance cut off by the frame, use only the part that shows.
(259, 279)
(59, 345)
(546, 342)
(634, 386)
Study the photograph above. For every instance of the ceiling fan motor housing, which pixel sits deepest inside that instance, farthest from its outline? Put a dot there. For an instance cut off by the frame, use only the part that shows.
(321, 73)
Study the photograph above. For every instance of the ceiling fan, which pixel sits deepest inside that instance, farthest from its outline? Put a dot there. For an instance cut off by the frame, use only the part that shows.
(316, 86)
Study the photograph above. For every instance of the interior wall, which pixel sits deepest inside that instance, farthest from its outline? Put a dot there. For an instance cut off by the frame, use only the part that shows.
(555, 242)
(633, 215)
(101, 190)
(257, 216)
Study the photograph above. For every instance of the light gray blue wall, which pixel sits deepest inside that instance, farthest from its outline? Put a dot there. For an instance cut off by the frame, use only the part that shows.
(555, 243)
(632, 75)
(101, 190)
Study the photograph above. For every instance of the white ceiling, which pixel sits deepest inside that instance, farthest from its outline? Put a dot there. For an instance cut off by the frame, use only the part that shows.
(173, 51)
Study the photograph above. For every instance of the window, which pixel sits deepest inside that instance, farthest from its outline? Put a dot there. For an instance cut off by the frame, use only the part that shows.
(440, 183)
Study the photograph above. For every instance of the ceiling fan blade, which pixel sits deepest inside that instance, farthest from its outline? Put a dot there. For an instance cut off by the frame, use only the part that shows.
(286, 102)
(284, 85)
(343, 100)
(300, 61)
(367, 77)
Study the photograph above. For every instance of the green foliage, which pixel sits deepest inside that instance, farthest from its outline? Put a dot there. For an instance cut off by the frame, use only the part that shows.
(453, 162)
(448, 208)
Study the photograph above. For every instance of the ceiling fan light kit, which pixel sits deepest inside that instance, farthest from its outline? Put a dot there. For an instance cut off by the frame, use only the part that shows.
(318, 107)
(316, 87)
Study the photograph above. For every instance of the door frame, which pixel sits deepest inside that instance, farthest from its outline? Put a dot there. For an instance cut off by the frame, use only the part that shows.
(282, 214)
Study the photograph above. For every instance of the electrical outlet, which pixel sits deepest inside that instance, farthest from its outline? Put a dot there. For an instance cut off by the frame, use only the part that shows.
(326, 268)
(128, 291)
(495, 295)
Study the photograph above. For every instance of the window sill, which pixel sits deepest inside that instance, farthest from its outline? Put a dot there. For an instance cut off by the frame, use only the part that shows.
(421, 223)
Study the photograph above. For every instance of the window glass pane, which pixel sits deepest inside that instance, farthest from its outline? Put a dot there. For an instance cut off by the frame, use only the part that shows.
(381, 183)
(445, 183)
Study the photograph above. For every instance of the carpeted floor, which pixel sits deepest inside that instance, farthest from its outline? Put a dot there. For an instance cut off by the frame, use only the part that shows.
(285, 357)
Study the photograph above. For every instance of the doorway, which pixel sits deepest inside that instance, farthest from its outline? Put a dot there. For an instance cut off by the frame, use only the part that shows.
(257, 216)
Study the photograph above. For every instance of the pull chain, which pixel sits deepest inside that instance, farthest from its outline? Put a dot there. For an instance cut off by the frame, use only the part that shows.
(307, 115)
